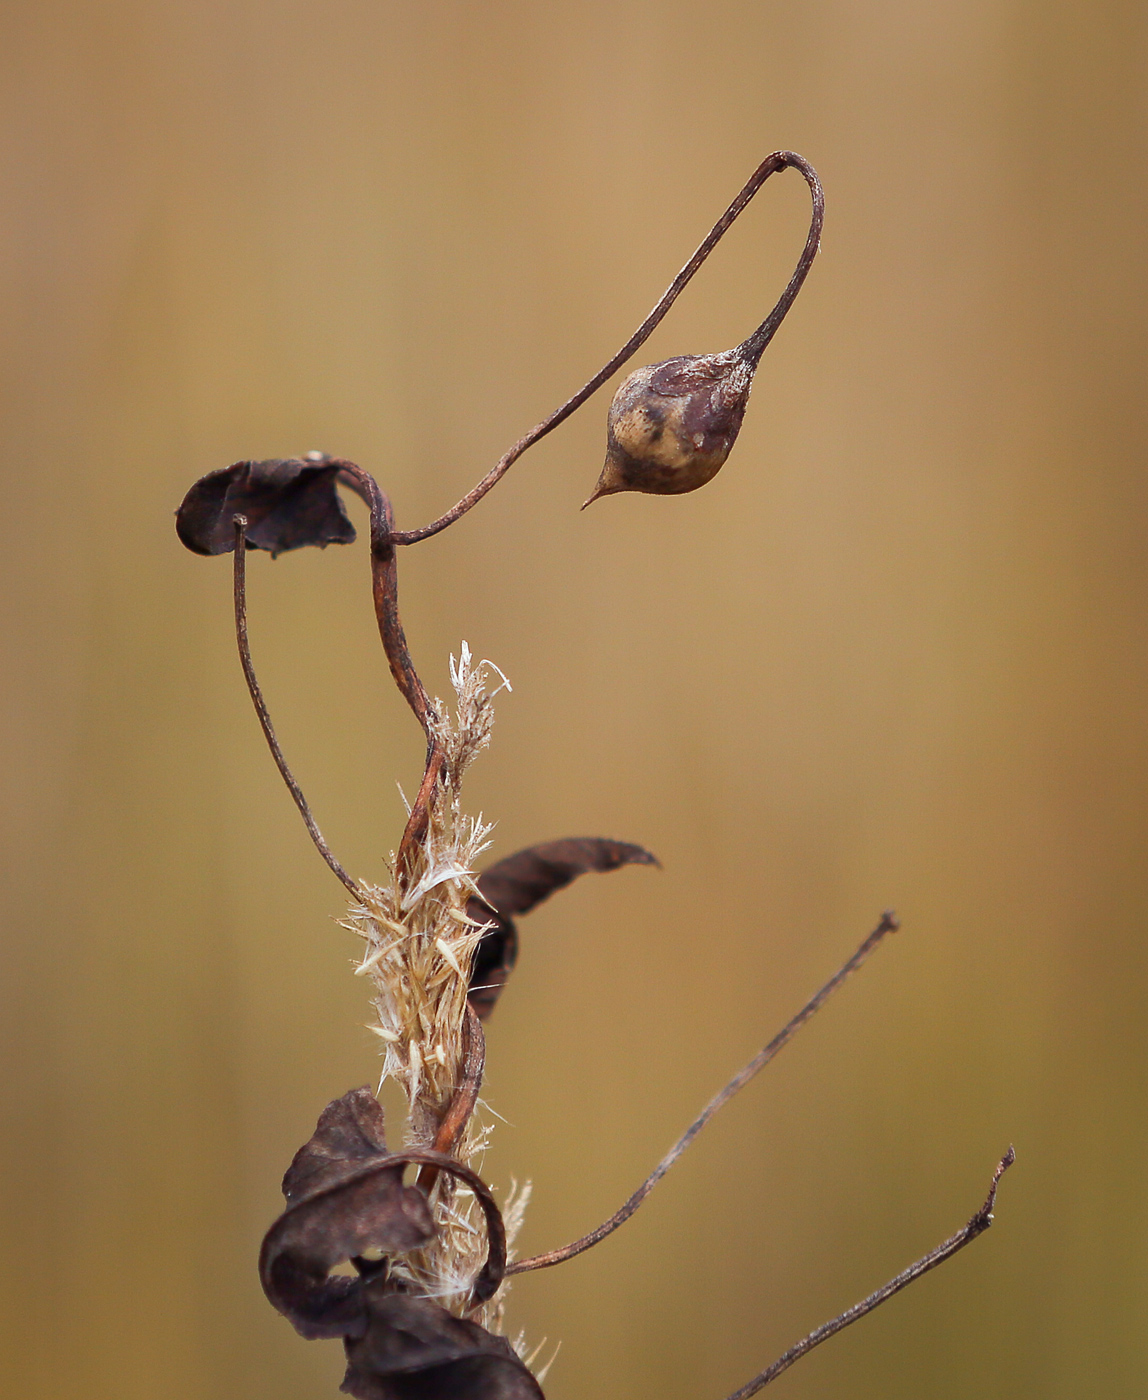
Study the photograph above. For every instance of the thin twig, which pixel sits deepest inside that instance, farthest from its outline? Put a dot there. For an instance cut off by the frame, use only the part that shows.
(752, 347)
(976, 1226)
(558, 1256)
(240, 590)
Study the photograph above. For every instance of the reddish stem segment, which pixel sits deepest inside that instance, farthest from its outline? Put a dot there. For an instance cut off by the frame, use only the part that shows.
(385, 588)
(558, 1256)
(752, 347)
(465, 1099)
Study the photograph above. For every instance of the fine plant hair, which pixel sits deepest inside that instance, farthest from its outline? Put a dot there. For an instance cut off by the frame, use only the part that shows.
(421, 1317)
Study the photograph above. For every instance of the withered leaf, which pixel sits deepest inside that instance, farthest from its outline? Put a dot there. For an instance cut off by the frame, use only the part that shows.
(288, 503)
(345, 1196)
(521, 881)
(412, 1349)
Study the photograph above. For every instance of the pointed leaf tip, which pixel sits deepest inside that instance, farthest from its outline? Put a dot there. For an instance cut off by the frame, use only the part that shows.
(516, 885)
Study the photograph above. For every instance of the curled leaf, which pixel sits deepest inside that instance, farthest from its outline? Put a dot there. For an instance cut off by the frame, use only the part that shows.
(288, 503)
(521, 881)
(412, 1349)
(345, 1197)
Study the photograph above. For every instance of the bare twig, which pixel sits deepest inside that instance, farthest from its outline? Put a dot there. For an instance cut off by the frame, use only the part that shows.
(240, 592)
(558, 1256)
(753, 346)
(976, 1226)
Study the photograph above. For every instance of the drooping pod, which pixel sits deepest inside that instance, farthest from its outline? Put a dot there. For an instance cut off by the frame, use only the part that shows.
(672, 425)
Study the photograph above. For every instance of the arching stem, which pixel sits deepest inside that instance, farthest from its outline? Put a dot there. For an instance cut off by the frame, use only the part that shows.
(385, 589)
(753, 347)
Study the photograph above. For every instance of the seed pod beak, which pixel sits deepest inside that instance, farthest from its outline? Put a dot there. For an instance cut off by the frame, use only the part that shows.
(612, 480)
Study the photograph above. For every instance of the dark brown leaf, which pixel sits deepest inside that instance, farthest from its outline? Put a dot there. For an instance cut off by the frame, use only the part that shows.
(345, 1196)
(412, 1349)
(352, 1129)
(288, 503)
(521, 881)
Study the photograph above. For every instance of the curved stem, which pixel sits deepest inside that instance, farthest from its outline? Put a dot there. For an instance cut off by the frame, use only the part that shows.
(753, 346)
(385, 588)
(558, 1256)
(976, 1226)
(492, 1273)
(769, 166)
(240, 594)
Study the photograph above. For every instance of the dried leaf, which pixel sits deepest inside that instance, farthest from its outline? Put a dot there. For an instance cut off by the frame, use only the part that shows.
(288, 503)
(521, 881)
(412, 1349)
(345, 1196)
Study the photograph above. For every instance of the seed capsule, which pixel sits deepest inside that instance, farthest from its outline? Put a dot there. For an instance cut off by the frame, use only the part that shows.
(671, 425)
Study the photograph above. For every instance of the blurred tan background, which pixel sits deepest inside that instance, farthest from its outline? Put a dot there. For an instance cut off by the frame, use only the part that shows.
(892, 655)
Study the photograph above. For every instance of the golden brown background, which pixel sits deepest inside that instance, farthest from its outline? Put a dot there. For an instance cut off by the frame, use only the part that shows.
(892, 655)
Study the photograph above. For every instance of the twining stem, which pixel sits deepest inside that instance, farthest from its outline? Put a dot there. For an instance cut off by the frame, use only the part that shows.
(457, 1116)
(887, 925)
(752, 348)
(976, 1226)
(493, 1271)
(240, 592)
(385, 589)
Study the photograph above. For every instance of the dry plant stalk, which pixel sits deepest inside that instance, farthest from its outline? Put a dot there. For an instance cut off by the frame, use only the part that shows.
(419, 945)
(421, 1318)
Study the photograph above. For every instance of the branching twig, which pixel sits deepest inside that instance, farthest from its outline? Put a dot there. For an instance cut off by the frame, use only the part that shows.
(558, 1256)
(976, 1226)
(755, 344)
(240, 591)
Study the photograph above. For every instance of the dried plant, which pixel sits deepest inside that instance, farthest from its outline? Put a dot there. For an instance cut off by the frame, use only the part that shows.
(421, 1319)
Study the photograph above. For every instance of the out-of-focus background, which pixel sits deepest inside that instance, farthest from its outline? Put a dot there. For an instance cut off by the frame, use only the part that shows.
(892, 655)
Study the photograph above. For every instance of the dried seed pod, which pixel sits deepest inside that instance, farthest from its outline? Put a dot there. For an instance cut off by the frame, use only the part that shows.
(672, 425)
